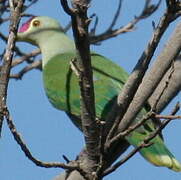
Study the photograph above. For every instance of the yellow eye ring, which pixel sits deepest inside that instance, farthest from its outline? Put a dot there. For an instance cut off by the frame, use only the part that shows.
(36, 23)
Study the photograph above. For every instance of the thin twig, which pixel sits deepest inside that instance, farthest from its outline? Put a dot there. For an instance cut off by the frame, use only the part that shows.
(67, 27)
(31, 3)
(66, 8)
(35, 65)
(27, 152)
(93, 29)
(175, 109)
(25, 57)
(171, 117)
(129, 130)
(147, 11)
(125, 159)
(145, 143)
(16, 49)
(116, 16)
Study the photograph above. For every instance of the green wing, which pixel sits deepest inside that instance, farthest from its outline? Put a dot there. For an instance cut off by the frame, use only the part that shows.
(62, 89)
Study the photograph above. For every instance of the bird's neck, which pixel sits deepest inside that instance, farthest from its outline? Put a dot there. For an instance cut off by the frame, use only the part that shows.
(56, 43)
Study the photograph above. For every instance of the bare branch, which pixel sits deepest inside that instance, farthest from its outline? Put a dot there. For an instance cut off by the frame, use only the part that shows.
(149, 115)
(125, 159)
(113, 33)
(175, 109)
(90, 128)
(34, 65)
(154, 107)
(127, 93)
(5, 69)
(147, 11)
(173, 87)
(93, 29)
(174, 6)
(171, 117)
(153, 77)
(130, 129)
(31, 4)
(67, 27)
(76, 176)
(144, 144)
(3, 7)
(25, 57)
(113, 23)
(66, 7)
(17, 137)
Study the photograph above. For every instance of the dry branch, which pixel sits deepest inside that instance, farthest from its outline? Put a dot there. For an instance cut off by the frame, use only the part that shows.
(127, 93)
(125, 159)
(147, 11)
(145, 143)
(153, 77)
(130, 129)
(35, 65)
(90, 128)
(6, 66)
(171, 117)
(18, 139)
(173, 87)
(25, 57)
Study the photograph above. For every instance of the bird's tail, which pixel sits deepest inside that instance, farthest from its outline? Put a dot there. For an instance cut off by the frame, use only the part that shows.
(157, 154)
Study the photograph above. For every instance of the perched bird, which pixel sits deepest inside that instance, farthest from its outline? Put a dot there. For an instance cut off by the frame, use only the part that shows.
(62, 88)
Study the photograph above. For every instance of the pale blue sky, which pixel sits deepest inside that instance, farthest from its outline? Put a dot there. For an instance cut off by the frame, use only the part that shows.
(48, 132)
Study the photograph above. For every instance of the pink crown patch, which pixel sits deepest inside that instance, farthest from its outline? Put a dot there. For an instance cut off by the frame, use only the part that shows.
(25, 25)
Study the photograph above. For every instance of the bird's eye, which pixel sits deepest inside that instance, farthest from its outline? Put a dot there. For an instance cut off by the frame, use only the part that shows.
(36, 23)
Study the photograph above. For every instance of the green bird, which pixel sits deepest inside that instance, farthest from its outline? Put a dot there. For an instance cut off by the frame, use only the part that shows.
(62, 88)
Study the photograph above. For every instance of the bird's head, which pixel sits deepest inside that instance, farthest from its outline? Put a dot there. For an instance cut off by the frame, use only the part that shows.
(38, 28)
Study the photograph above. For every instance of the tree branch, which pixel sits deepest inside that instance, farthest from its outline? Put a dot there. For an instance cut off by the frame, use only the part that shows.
(171, 117)
(130, 129)
(90, 128)
(18, 139)
(113, 23)
(153, 77)
(173, 87)
(126, 158)
(35, 65)
(145, 143)
(144, 61)
(127, 93)
(76, 176)
(147, 11)
(23, 58)
(5, 69)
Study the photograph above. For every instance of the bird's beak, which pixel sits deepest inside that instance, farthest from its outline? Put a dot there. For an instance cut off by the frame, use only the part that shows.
(19, 36)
